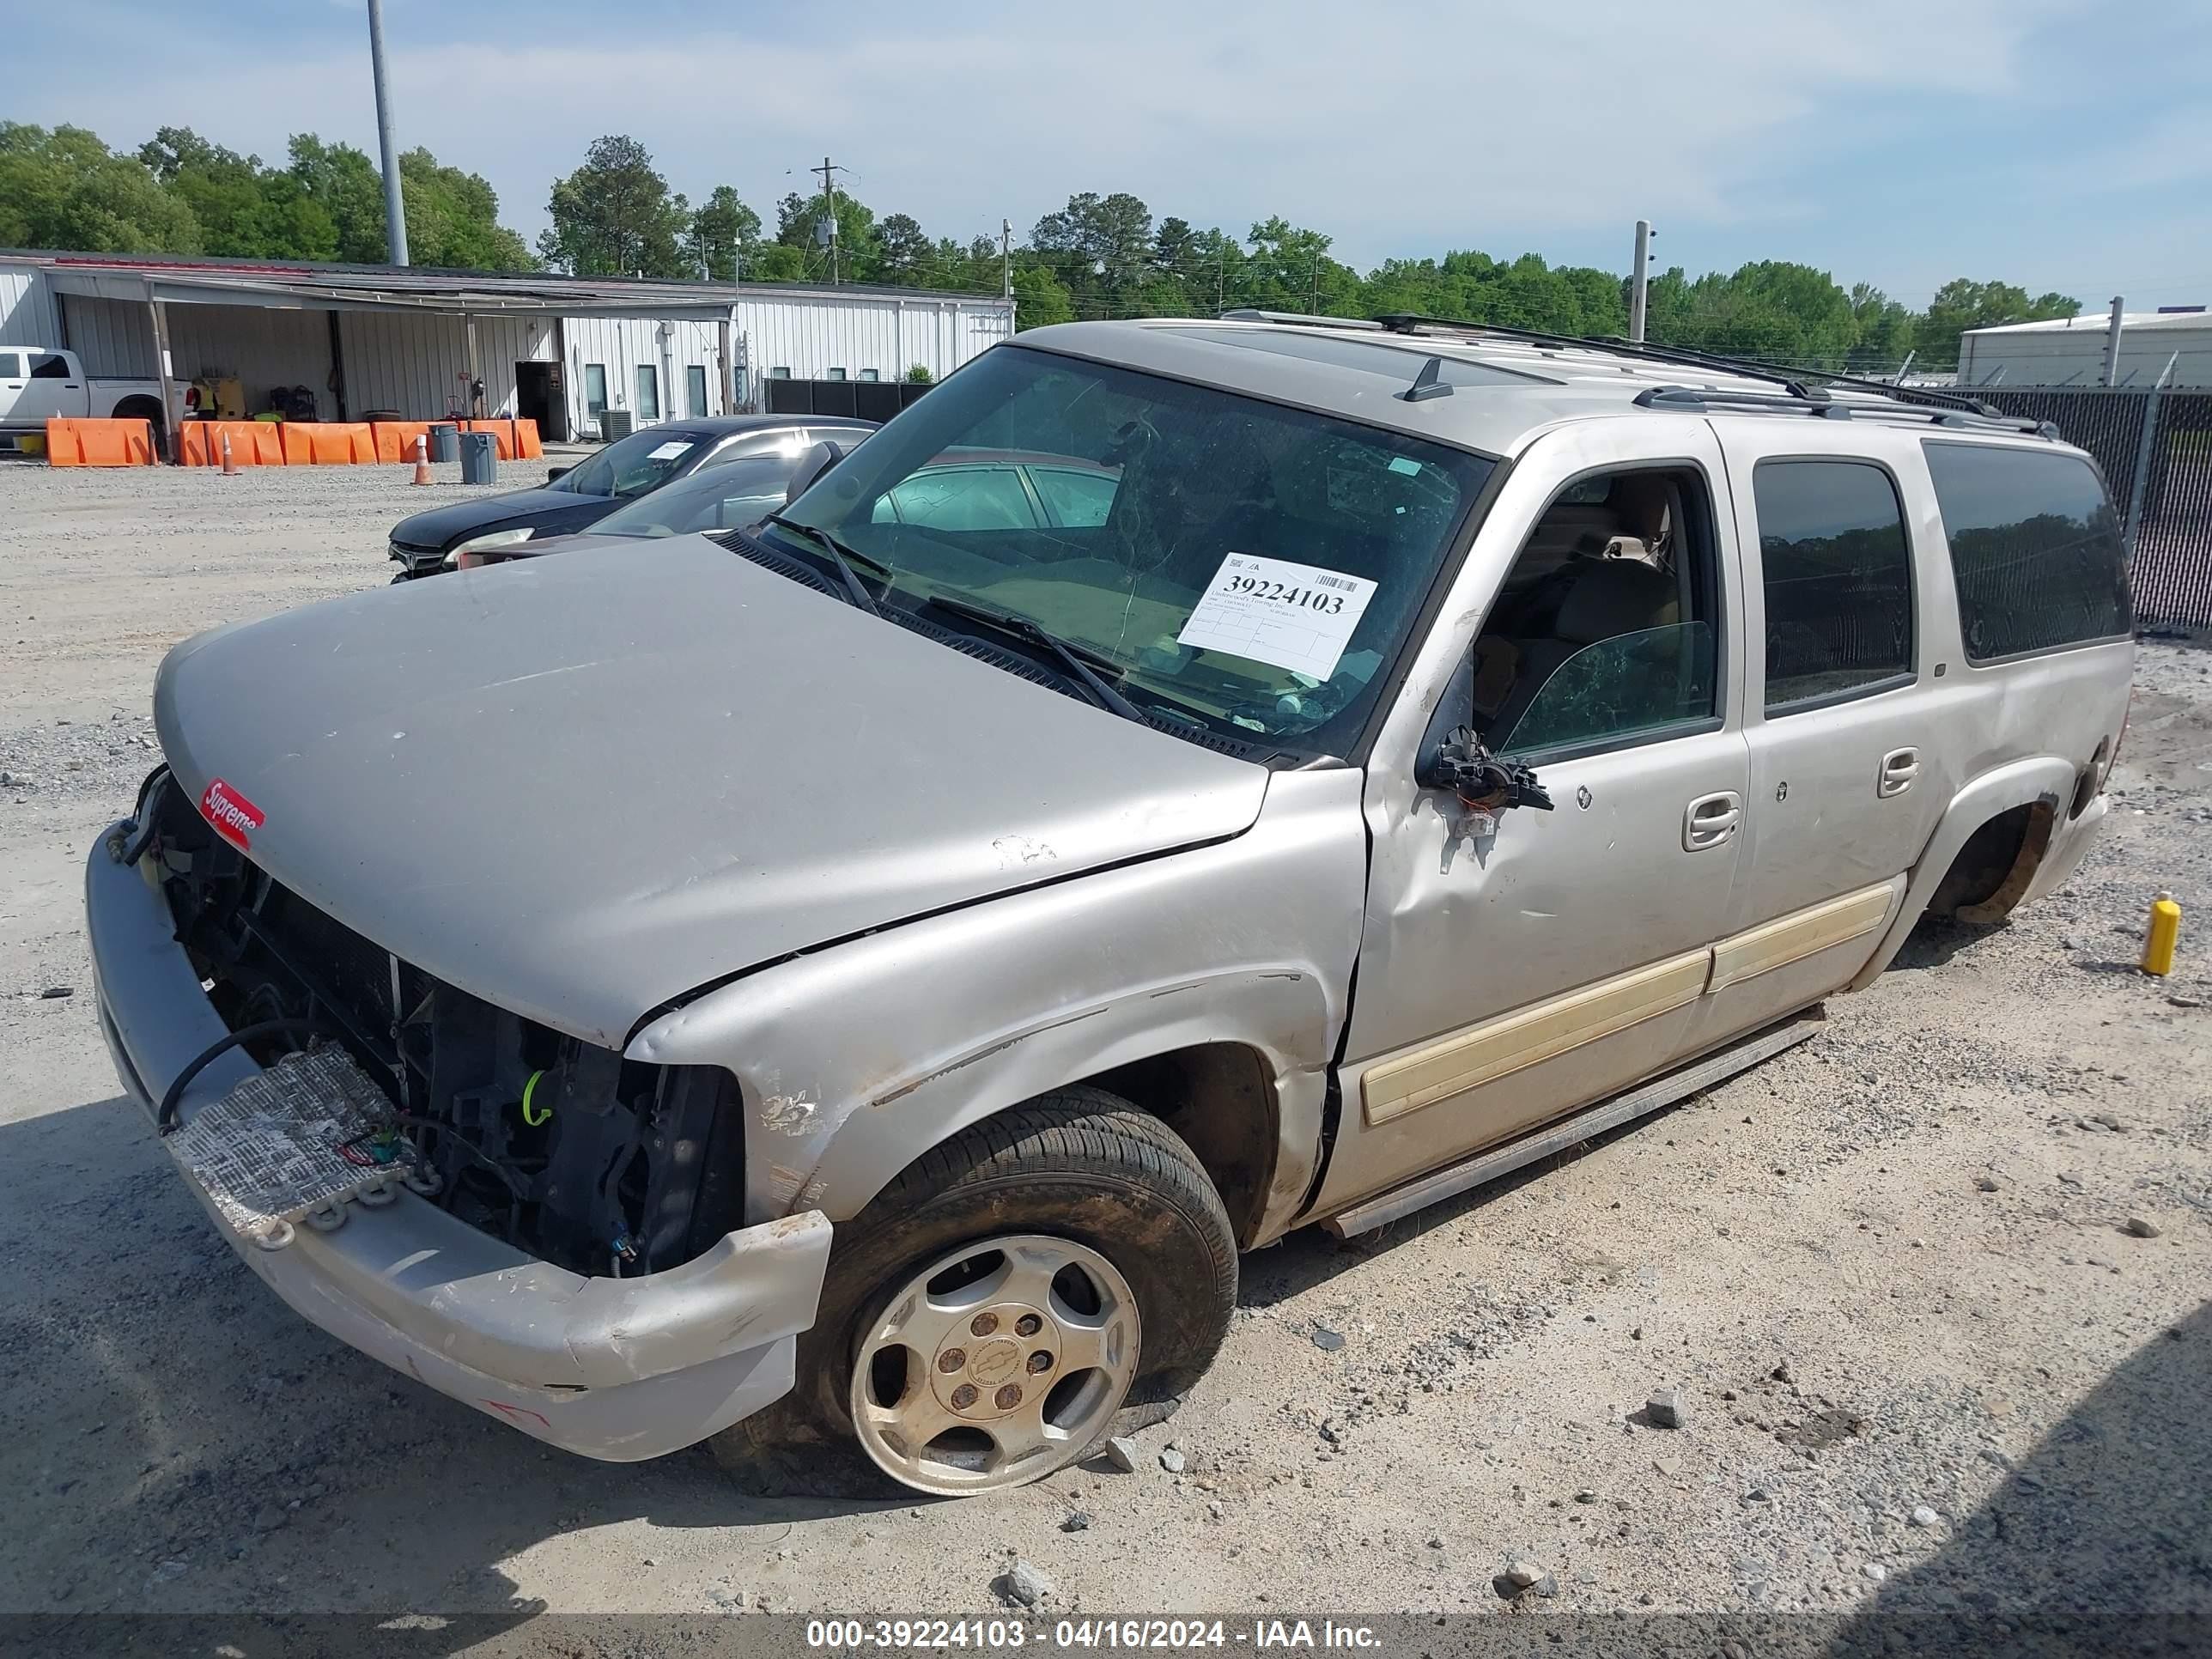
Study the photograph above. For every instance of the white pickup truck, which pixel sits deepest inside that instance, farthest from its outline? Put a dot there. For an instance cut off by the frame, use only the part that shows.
(37, 385)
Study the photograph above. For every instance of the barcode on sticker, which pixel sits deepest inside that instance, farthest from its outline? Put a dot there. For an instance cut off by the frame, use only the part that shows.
(1345, 582)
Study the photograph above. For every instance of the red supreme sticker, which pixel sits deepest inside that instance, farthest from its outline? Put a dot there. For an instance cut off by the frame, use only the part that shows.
(234, 817)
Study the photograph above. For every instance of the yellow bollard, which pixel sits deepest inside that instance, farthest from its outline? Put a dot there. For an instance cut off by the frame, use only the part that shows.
(2163, 934)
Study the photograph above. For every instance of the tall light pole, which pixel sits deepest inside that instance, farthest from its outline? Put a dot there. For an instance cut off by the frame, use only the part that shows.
(395, 212)
(1639, 282)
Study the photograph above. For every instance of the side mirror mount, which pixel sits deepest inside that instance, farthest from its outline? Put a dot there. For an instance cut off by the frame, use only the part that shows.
(812, 465)
(555, 473)
(1453, 757)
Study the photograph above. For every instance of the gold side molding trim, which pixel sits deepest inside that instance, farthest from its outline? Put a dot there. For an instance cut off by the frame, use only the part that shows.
(1496, 1048)
(1793, 937)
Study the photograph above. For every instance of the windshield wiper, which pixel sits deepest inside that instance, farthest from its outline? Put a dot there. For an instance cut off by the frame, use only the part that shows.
(840, 554)
(1071, 657)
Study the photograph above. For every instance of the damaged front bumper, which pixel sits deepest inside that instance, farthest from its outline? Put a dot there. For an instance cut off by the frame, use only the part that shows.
(619, 1369)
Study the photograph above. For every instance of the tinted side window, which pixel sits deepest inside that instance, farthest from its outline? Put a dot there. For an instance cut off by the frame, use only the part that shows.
(2035, 549)
(1837, 576)
(49, 366)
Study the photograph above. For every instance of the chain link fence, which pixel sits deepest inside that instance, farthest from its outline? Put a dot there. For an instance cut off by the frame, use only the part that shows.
(2162, 480)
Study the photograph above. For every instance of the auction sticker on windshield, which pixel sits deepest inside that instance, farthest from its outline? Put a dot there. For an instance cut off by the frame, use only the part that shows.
(668, 451)
(1297, 616)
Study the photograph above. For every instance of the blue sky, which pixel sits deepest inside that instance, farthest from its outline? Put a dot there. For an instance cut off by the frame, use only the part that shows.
(2058, 144)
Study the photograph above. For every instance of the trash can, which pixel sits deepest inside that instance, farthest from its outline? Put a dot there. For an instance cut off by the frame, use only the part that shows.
(479, 463)
(445, 441)
(613, 423)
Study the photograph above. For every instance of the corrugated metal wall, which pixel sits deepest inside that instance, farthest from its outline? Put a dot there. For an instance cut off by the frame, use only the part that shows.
(621, 345)
(2076, 356)
(416, 365)
(885, 333)
(26, 313)
(113, 337)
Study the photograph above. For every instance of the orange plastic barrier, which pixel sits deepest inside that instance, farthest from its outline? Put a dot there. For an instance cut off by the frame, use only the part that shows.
(395, 439)
(99, 443)
(527, 446)
(502, 436)
(328, 443)
(252, 443)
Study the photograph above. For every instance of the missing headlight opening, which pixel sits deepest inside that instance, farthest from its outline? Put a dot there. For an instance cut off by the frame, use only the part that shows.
(560, 1147)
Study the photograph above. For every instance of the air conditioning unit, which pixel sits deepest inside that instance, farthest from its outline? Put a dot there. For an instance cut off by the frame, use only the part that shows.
(613, 423)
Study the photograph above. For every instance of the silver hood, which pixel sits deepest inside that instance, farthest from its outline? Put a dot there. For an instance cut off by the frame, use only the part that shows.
(579, 788)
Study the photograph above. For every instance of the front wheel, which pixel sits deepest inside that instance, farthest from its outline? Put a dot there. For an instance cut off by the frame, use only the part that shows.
(989, 1316)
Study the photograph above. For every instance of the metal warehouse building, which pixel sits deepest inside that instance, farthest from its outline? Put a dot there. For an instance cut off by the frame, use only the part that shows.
(408, 344)
(2070, 352)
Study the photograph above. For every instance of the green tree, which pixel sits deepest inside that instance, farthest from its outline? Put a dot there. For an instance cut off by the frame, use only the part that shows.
(64, 188)
(614, 215)
(724, 234)
(918, 374)
(906, 252)
(1040, 298)
(452, 219)
(1097, 244)
(1962, 304)
(344, 183)
(801, 221)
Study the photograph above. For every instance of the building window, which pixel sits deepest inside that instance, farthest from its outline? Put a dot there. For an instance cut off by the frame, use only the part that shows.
(782, 373)
(836, 374)
(1838, 577)
(2035, 549)
(648, 393)
(694, 390)
(870, 374)
(595, 390)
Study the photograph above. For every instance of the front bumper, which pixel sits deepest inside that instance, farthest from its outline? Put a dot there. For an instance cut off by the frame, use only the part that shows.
(620, 1368)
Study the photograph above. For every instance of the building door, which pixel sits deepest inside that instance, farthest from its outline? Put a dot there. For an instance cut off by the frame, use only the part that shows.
(695, 391)
(539, 396)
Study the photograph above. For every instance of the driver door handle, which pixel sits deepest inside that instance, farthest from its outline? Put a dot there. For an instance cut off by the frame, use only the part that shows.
(1899, 769)
(1710, 820)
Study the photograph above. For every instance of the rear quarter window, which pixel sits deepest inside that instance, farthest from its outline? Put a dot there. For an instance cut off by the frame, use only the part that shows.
(2035, 549)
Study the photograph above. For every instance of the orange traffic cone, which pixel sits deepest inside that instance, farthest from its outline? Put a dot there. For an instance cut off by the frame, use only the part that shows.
(421, 459)
(230, 462)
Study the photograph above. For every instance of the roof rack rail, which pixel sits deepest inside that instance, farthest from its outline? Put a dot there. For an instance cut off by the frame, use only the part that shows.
(1697, 400)
(1253, 314)
(1795, 382)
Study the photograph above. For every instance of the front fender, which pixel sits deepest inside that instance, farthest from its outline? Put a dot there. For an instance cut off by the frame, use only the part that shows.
(855, 1061)
(2047, 778)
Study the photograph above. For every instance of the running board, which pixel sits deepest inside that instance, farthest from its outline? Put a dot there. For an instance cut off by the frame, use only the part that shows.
(1641, 1102)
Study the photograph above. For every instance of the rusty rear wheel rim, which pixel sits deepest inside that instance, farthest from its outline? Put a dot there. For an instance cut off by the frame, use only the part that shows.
(995, 1364)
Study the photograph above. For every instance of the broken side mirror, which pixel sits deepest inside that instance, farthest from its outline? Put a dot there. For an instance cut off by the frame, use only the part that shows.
(553, 474)
(1453, 757)
(812, 465)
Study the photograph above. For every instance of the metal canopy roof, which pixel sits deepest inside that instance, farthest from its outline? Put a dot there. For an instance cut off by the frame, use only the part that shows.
(394, 288)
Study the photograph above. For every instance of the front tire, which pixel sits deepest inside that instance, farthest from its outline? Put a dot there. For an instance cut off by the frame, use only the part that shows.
(1075, 1233)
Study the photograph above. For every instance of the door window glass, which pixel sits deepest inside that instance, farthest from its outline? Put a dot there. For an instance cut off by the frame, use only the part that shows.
(648, 393)
(2035, 549)
(11, 366)
(1604, 631)
(49, 366)
(1837, 576)
(694, 390)
(595, 390)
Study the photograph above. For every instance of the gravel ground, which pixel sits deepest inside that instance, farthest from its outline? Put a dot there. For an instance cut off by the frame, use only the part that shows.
(1920, 1362)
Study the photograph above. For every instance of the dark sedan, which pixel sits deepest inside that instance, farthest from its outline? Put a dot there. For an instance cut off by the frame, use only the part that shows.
(575, 498)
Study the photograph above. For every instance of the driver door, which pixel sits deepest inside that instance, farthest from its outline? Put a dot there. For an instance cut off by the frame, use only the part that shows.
(1508, 978)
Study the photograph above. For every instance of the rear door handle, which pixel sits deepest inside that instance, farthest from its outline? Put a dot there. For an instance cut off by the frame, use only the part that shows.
(1711, 819)
(1899, 769)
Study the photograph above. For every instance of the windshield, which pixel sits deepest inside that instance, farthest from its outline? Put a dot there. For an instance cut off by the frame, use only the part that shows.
(1247, 569)
(634, 465)
(730, 495)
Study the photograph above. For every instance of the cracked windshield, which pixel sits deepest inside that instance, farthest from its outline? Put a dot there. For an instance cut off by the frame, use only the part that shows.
(1222, 563)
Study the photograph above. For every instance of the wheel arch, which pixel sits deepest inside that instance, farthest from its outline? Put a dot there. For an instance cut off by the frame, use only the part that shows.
(2017, 808)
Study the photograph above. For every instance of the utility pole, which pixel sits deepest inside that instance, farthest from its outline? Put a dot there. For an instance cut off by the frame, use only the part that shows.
(1639, 282)
(2112, 340)
(1006, 256)
(395, 214)
(829, 170)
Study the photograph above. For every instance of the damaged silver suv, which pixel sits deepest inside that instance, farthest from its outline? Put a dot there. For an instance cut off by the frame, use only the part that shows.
(863, 979)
